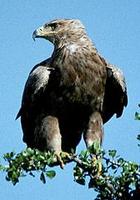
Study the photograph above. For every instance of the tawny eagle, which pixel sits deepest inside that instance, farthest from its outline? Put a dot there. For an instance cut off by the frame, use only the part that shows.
(70, 94)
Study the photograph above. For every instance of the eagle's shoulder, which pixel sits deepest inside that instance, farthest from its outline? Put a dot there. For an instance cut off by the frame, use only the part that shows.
(39, 76)
(35, 85)
(117, 76)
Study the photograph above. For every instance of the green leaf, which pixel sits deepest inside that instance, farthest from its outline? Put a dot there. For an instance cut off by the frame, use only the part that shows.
(9, 156)
(42, 178)
(95, 148)
(121, 161)
(2, 168)
(138, 137)
(92, 183)
(51, 174)
(112, 153)
(81, 181)
(137, 116)
(84, 154)
(31, 174)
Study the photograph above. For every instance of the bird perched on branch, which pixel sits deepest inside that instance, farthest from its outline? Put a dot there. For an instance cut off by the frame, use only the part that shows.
(73, 92)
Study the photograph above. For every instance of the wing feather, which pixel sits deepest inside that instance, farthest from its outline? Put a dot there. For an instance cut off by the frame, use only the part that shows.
(115, 93)
(35, 86)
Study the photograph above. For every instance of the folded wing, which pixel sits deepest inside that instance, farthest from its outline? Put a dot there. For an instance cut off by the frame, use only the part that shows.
(115, 93)
(33, 101)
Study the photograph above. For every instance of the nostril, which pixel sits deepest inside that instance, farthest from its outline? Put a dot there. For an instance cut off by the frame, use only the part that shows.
(40, 28)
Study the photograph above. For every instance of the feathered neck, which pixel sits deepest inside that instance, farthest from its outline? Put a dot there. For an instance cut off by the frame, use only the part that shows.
(74, 43)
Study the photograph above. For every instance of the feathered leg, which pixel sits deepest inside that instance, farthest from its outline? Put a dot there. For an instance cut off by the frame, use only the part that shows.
(94, 130)
(48, 137)
(94, 133)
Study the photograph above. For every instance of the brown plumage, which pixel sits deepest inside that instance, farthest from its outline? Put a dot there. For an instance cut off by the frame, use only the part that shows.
(72, 93)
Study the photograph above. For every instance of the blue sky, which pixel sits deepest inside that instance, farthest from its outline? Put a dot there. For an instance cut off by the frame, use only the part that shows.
(114, 27)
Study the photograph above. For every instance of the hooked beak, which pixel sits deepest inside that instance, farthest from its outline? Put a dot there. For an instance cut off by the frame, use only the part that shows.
(38, 33)
(34, 35)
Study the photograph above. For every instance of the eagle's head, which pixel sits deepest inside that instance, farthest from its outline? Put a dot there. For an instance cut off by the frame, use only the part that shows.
(60, 30)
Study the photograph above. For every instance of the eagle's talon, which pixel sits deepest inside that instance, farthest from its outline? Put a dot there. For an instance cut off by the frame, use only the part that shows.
(62, 158)
(59, 160)
(65, 155)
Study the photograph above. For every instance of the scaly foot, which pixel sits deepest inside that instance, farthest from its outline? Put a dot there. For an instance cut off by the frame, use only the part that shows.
(61, 157)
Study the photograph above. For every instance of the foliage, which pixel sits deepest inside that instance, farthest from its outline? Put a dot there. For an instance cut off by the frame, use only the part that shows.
(111, 176)
(26, 162)
(118, 179)
(137, 117)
